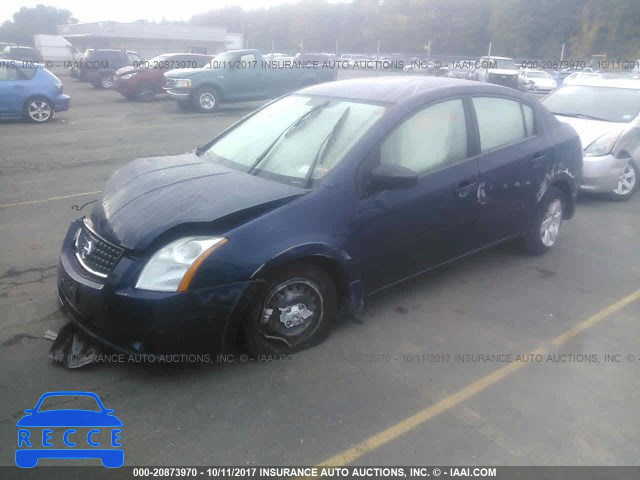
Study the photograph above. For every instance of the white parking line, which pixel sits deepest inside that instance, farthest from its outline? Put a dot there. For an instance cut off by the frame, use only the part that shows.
(62, 197)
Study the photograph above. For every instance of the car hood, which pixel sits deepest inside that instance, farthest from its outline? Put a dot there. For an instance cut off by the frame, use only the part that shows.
(149, 196)
(127, 69)
(589, 130)
(547, 82)
(183, 72)
(69, 418)
(503, 71)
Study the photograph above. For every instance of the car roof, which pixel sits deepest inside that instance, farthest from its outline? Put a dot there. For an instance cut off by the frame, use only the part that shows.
(29, 64)
(628, 83)
(398, 89)
(493, 57)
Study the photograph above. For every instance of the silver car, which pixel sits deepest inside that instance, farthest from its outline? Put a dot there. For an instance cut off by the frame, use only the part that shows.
(606, 115)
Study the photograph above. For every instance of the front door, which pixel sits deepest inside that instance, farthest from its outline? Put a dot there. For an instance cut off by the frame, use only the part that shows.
(406, 231)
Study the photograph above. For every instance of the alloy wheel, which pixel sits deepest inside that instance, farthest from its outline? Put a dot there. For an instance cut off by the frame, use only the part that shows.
(626, 181)
(39, 111)
(551, 222)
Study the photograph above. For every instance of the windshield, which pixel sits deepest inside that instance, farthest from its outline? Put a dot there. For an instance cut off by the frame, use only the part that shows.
(158, 59)
(75, 402)
(609, 104)
(221, 59)
(496, 63)
(295, 140)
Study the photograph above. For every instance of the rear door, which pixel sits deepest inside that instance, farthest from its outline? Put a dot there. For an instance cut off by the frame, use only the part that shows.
(404, 232)
(512, 161)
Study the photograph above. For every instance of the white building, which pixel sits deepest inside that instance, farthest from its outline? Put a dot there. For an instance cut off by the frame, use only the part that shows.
(151, 39)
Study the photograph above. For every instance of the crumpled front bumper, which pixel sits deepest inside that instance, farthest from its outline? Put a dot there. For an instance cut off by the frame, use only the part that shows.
(136, 321)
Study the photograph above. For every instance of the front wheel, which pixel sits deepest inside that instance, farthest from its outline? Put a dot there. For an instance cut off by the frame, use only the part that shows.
(545, 227)
(627, 183)
(206, 100)
(295, 310)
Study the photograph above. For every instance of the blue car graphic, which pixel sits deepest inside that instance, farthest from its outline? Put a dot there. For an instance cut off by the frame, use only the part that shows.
(33, 447)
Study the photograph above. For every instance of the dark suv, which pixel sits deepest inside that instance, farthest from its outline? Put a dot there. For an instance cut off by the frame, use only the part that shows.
(98, 66)
(20, 53)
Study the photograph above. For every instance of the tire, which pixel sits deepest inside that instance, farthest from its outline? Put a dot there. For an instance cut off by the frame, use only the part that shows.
(545, 226)
(38, 110)
(185, 105)
(205, 99)
(104, 81)
(309, 294)
(145, 93)
(627, 183)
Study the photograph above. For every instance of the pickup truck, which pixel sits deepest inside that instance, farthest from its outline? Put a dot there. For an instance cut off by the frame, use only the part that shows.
(498, 70)
(243, 75)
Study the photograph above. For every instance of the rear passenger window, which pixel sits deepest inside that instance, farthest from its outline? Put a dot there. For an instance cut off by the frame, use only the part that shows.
(528, 119)
(500, 122)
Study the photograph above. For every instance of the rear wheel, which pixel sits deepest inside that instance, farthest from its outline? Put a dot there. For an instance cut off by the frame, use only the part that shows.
(627, 183)
(545, 227)
(38, 110)
(295, 310)
(104, 81)
(206, 99)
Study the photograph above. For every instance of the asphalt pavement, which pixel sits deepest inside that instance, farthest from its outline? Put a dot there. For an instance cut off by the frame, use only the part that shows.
(498, 359)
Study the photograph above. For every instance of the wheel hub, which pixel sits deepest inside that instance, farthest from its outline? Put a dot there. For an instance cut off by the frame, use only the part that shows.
(291, 310)
(293, 316)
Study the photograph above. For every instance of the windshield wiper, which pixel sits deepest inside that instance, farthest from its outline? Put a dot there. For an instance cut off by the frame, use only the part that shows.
(326, 143)
(582, 115)
(290, 129)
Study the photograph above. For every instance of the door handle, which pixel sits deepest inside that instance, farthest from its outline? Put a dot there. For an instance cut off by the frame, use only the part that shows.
(465, 188)
(537, 158)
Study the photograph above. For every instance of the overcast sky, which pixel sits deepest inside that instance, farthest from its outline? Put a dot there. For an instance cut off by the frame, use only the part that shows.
(128, 11)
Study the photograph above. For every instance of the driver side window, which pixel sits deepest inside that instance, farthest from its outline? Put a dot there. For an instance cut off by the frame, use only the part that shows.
(428, 140)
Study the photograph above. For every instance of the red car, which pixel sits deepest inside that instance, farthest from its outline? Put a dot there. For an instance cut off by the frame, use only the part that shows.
(144, 79)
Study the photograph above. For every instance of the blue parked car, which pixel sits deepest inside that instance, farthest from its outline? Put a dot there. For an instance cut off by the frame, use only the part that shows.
(36, 433)
(30, 91)
(310, 204)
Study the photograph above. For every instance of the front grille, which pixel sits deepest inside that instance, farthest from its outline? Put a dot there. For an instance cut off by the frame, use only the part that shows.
(168, 83)
(96, 255)
(506, 80)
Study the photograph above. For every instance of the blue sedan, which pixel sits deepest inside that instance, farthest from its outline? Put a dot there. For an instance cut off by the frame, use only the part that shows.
(30, 91)
(309, 205)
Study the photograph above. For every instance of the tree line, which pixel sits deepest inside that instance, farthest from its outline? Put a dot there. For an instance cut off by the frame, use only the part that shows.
(530, 29)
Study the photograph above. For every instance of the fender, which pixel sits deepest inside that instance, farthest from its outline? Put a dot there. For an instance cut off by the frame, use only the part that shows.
(338, 263)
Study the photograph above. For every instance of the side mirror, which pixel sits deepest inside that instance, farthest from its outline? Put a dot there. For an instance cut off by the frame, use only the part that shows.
(391, 177)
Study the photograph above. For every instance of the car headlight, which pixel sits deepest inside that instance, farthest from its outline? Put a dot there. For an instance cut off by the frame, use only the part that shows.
(127, 76)
(172, 267)
(182, 83)
(603, 145)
